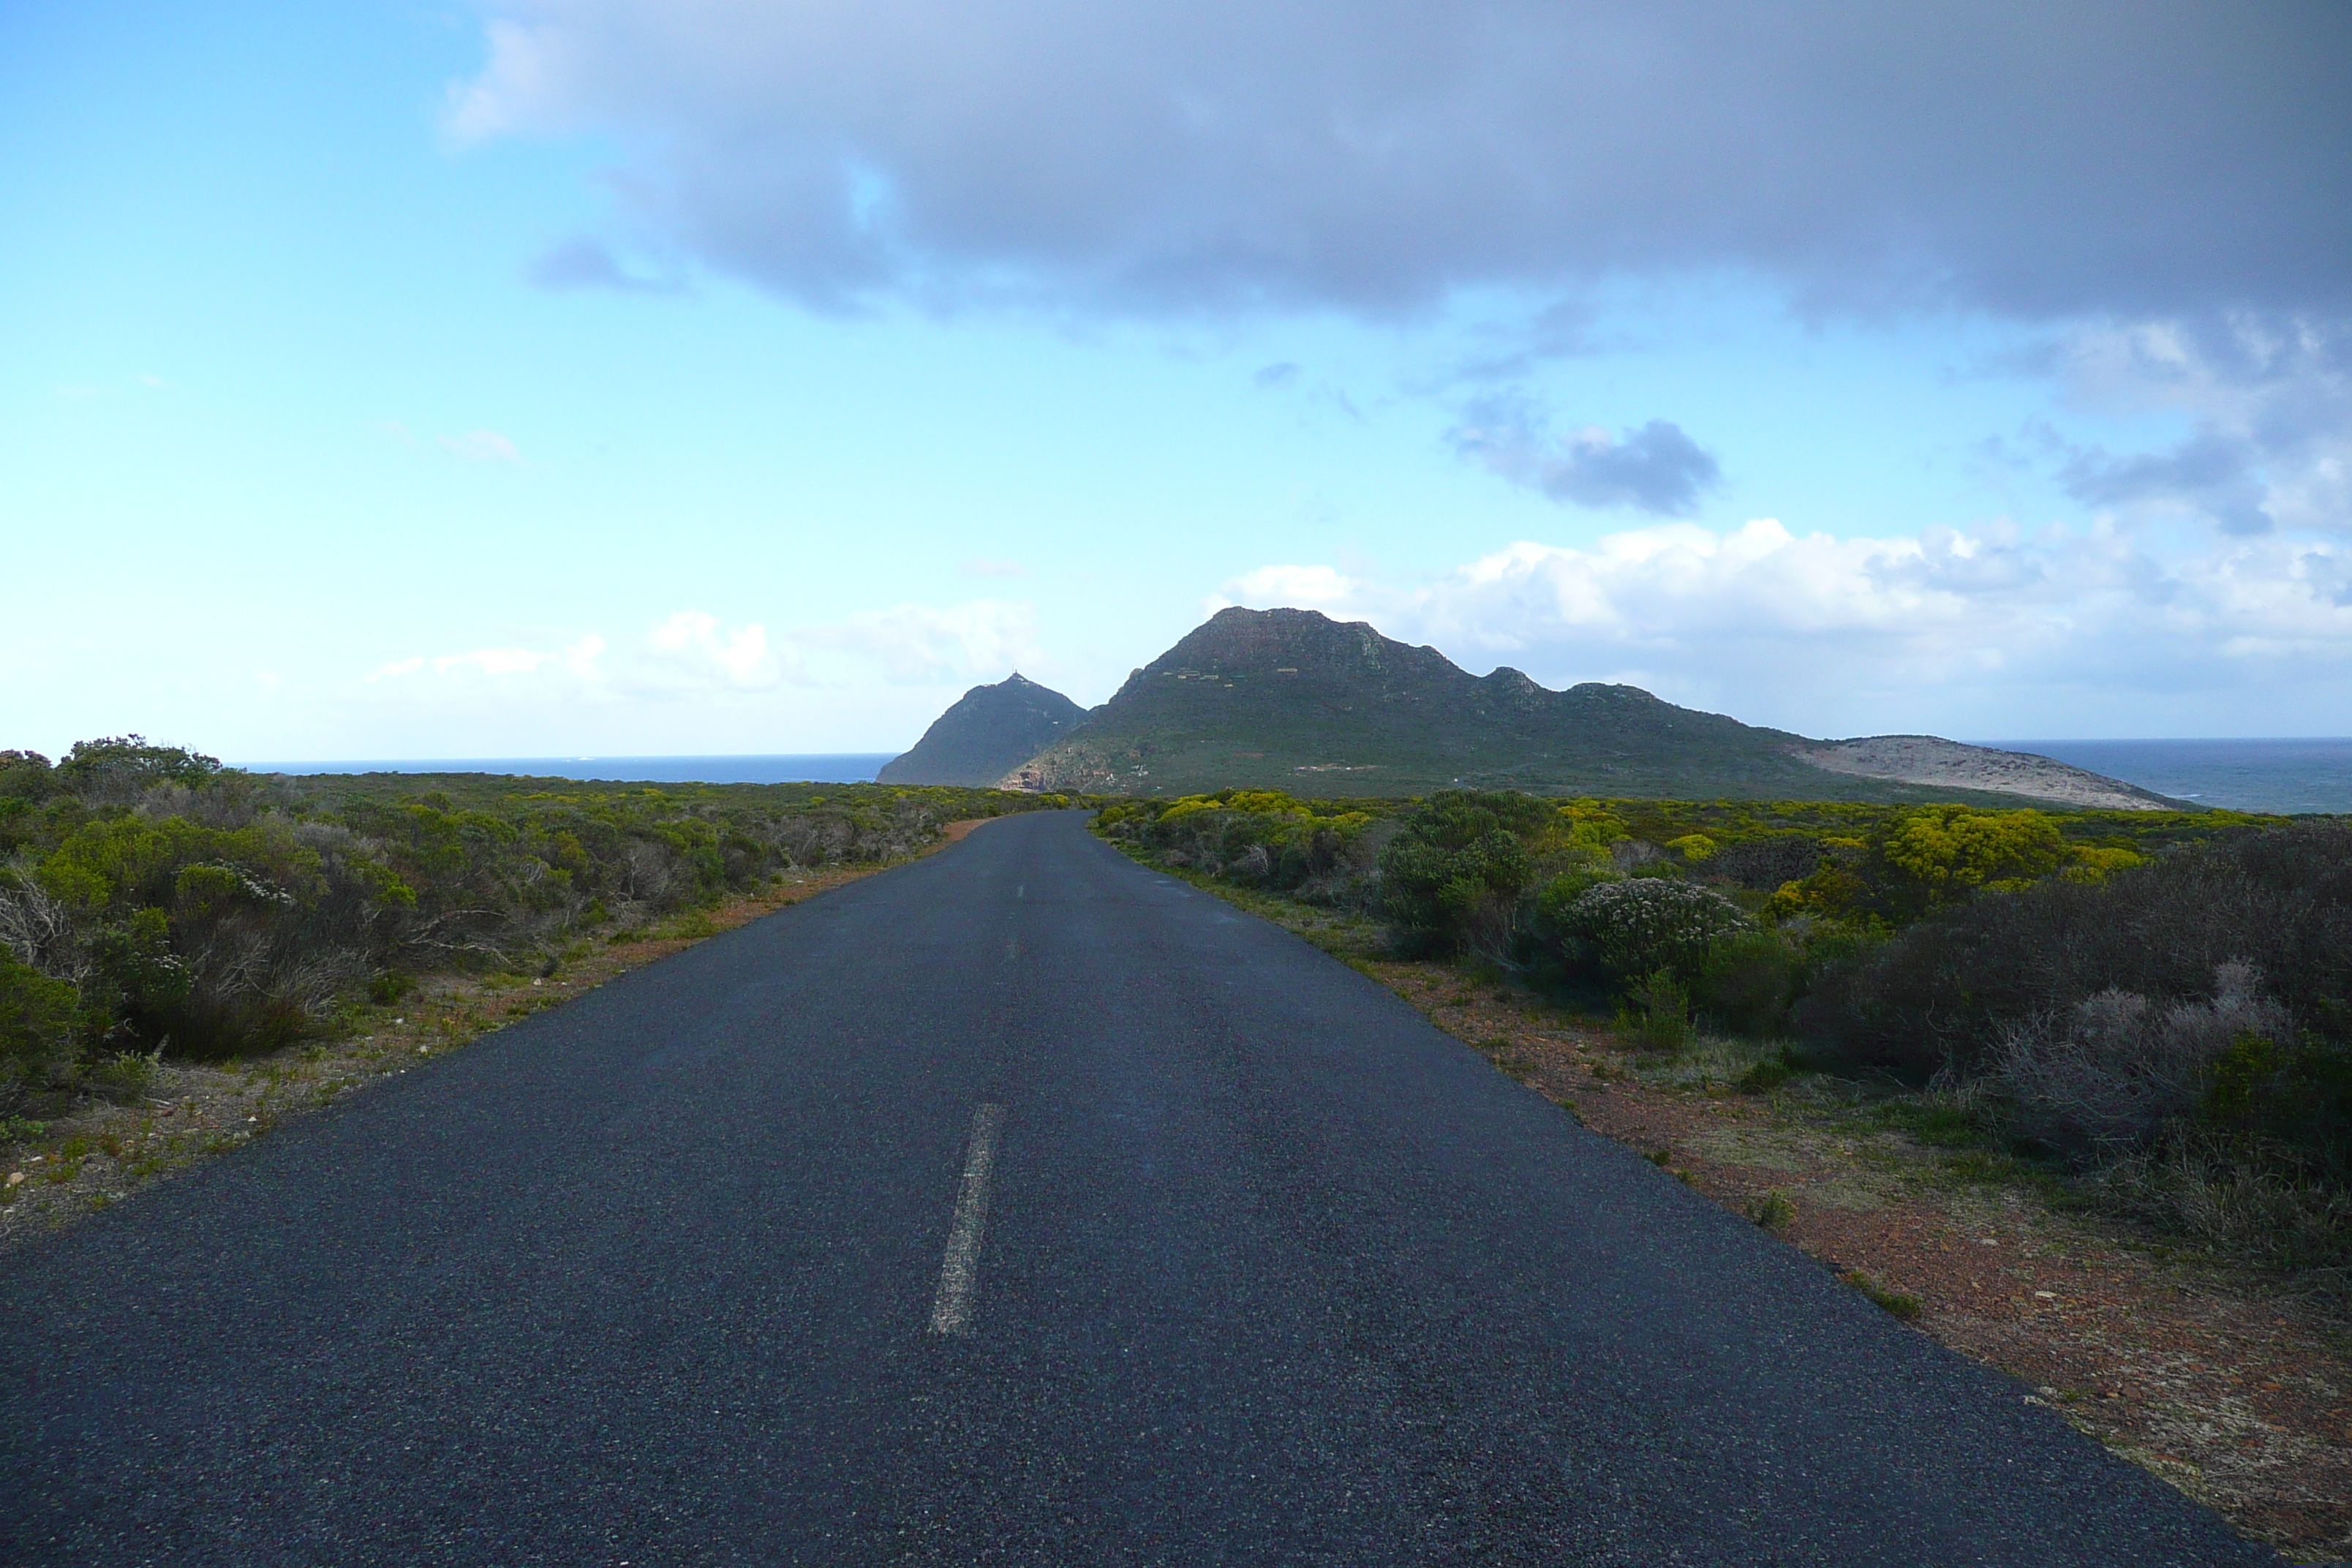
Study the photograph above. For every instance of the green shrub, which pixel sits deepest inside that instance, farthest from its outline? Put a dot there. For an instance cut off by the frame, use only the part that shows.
(218, 914)
(25, 776)
(1453, 876)
(1748, 981)
(123, 1074)
(1657, 1014)
(1769, 861)
(1259, 838)
(40, 1024)
(1892, 1302)
(132, 762)
(1951, 849)
(2282, 1213)
(1559, 895)
(142, 975)
(1942, 991)
(2177, 1031)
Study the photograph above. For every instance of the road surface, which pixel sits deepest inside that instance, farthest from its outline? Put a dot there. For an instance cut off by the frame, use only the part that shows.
(1019, 1205)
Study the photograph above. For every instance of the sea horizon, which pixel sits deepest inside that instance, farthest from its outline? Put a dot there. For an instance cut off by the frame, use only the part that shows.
(2287, 774)
(749, 767)
(2292, 776)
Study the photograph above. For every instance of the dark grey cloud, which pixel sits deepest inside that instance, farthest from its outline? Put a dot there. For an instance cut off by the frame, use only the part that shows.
(2210, 473)
(1656, 468)
(2038, 158)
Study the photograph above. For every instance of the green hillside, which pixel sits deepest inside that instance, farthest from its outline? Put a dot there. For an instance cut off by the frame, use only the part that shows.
(1292, 700)
(990, 731)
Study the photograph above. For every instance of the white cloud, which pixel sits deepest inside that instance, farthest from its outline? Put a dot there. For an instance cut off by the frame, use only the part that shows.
(917, 643)
(689, 650)
(687, 681)
(1302, 587)
(482, 446)
(1988, 633)
(691, 653)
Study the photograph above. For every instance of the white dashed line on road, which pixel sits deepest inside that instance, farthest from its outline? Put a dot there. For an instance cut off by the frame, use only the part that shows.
(960, 1270)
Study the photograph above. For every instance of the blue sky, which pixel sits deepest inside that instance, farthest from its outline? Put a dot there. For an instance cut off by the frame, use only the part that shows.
(620, 378)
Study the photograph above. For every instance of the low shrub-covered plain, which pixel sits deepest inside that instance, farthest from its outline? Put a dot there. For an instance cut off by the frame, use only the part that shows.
(2155, 1006)
(155, 905)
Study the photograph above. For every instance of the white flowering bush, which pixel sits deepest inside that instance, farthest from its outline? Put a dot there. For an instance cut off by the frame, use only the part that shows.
(1639, 926)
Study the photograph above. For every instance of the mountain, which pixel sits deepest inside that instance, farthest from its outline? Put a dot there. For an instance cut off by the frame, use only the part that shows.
(990, 730)
(1292, 700)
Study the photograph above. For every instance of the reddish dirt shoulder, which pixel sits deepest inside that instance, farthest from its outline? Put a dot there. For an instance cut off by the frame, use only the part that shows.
(2226, 1383)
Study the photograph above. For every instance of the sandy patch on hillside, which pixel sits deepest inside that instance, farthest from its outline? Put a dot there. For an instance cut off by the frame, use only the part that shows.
(1936, 763)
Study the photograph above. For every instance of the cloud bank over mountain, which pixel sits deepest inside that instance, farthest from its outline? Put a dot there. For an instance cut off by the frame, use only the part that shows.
(1854, 634)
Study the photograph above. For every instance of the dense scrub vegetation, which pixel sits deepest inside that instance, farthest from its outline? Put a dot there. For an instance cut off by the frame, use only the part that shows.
(2159, 1003)
(152, 901)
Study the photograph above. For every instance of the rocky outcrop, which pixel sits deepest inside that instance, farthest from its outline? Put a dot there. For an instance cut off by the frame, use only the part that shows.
(989, 730)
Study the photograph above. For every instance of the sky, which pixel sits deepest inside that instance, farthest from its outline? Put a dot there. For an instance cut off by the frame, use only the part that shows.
(592, 378)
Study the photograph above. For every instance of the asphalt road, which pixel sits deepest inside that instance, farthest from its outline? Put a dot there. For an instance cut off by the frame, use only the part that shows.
(1238, 1261)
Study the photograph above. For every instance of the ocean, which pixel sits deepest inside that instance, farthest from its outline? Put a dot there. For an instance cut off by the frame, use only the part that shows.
(819, 767)
(2289, 776)
(2244, 776)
